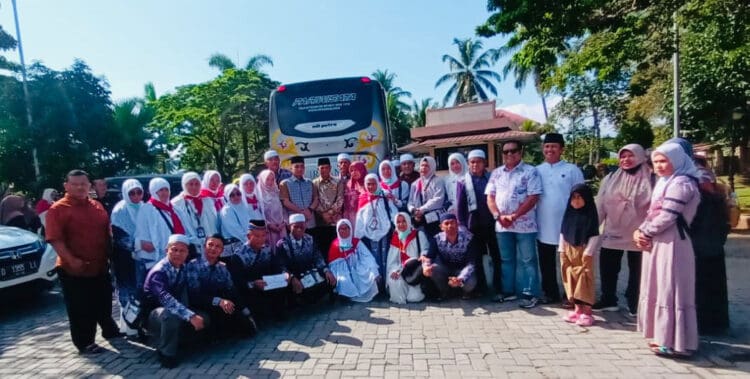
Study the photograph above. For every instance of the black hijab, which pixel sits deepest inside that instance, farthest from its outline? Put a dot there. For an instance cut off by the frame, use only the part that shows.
(578, 225)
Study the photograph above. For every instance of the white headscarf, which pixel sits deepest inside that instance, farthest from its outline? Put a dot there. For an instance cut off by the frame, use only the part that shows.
(464, 166)
(207, 175)
(47, 195)
(125, 212)
(344, 243)
(155, 185)
(452, 180)
(186, 178)
(393, 177)
(235, 217)
(402, 235)
(243, 179)
(680, 161)
(432, 164)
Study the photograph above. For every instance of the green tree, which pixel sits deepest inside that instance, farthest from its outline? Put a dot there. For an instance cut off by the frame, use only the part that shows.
(398, 118)
(7, 42)
(418, 116)
(221, 123)
(223, 62)
(469, 77)
(635, 131)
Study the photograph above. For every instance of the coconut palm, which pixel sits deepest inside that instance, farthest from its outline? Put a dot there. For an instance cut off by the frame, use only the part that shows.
(418, 116)
(470, 76)
(223, 62)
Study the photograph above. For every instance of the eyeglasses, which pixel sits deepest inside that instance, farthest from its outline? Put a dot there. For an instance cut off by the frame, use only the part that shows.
(135, 192)
(235, 194)
(511, 151)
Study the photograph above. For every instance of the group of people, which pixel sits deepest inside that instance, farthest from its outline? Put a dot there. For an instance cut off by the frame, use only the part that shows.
(217, 258)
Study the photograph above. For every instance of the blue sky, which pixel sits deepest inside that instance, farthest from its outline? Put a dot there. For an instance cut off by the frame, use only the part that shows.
(169, 42)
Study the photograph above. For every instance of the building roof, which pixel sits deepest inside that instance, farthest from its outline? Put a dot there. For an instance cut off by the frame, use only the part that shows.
(467, 119)
(472, 139)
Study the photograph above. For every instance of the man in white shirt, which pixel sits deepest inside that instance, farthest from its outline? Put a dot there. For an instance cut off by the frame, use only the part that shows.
(558, 177)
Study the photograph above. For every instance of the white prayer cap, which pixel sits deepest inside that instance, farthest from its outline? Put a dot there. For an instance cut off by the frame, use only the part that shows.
(396, 162)
(296, 217)
(343, 157)
(181, 238)
(477, 154)
(270, 154)
(406, 157)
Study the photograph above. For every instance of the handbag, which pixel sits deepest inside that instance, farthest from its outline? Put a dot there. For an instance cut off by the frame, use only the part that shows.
(134, 313)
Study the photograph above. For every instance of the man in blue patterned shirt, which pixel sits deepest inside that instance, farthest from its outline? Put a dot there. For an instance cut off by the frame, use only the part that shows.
(450, 260)
(310, 277)
(248, 268)
(512, 194)
(166, 290)
(210, 289)
(298, 194)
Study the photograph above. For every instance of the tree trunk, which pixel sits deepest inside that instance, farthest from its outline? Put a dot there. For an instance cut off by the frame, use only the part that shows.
(544, 107)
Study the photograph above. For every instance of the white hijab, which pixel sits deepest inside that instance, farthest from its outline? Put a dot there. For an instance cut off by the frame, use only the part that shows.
(125, 212)
(207, 180)
(235, 217)
(344, 243)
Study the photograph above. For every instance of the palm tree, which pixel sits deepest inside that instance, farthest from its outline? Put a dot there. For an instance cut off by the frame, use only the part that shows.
(223, 62)
(469, 74)
(393, 92)
(419, 112)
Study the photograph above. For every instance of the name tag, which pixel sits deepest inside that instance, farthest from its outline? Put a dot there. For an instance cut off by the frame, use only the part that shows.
(308, 281)
(200, 232)
(431, 217)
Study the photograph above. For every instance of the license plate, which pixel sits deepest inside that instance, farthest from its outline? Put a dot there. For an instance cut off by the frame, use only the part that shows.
(15, 270)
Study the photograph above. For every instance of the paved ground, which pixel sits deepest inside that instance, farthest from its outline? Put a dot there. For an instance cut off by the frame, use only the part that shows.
(453, 339)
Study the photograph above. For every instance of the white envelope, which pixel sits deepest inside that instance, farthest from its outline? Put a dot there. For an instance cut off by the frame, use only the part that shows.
(274, 281)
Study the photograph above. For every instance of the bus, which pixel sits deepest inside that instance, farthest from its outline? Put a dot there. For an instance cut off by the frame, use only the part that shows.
(323, 118)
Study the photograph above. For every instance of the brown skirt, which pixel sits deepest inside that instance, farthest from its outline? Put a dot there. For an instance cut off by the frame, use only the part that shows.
(577, 274)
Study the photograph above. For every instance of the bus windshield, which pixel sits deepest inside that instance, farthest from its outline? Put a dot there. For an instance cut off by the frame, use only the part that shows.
(327, 117)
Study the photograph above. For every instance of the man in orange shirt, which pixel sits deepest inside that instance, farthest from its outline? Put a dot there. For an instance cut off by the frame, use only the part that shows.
(78, 229)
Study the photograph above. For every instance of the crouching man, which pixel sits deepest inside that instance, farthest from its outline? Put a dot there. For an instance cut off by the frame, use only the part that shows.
(210, 289)
(310, 277)
(449, 262)
(166, 292)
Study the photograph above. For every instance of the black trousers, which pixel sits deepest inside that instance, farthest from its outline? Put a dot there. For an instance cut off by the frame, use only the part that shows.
(88, 301)
(439, 279)
(323, 237)
(484, 236)
(610, 262)
(171, 331)
(548, 269)
(267, 305)
(711, 298)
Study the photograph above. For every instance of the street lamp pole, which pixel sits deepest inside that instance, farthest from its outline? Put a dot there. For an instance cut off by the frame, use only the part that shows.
(676, 76)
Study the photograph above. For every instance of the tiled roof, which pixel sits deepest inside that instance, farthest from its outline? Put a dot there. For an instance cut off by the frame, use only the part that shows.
(470, 139)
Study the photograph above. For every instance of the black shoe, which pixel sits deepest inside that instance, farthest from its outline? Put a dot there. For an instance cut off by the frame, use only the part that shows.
(252, 326)
(528, 303)
(167, 361)
(91, 349)
(113, 335)
(607, 307)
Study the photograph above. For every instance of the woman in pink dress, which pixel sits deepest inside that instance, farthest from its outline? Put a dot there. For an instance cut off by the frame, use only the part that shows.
(666, 311)
(353, 189)
(268, 193)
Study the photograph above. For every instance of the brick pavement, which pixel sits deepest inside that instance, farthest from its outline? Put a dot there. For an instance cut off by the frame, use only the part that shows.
(473, 338)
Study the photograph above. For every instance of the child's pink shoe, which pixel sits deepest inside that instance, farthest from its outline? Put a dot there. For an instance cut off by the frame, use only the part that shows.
(571, 317)
(585, 320)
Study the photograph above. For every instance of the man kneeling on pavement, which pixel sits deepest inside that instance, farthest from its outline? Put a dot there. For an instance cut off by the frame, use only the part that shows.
(449, 261)
(166, 294)
(210, 289)
(310, 277)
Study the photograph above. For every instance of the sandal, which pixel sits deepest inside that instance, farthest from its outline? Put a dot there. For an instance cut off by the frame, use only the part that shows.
(666, 352)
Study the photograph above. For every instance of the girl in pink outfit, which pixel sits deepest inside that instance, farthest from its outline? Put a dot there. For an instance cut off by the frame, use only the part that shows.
(268, 194)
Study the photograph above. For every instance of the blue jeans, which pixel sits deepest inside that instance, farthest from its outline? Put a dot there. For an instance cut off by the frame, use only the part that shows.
(522, 246)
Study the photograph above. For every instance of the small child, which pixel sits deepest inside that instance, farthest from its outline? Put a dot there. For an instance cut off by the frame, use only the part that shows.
(579, 239)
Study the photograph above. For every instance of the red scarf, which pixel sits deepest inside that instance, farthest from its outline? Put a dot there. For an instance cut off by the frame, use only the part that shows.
(253, 201)
(217, 198)
(197, 201)
(395, 185)
(366, 198)
(177, 227)
(334, 252)
(396, 242)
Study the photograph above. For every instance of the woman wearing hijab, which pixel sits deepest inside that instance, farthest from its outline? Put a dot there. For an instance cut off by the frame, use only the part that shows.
(156, 221)
(622, 203)
(234, 219)
(14, 212)
(407, 245)
(458, 168)
(427, 197)
(124, 219)
(270, 204)
(353, 266)
(579, 240)
(211, 189)
(374, 217)
(197, 212)
(42, 206)
(394, 188)
(666, 312)
(247, 187)
(354, 188)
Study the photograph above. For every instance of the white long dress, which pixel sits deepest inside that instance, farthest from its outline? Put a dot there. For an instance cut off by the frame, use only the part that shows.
(401, 292)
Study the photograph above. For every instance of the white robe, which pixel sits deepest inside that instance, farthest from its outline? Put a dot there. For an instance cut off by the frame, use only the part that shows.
(234, 221)
(399, 290)
(208, 219)
(373, 220)
(151, 227)
(356, 275)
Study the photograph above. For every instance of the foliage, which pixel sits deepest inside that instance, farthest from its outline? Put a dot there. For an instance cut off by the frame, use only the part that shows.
(7, 42)
(223, 62)
(221, 124)
(418, 116)
(469, 76)
(72, 127)
(398, 117)
(635, 131)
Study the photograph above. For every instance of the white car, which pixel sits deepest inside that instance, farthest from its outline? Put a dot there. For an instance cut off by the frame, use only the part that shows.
(25, 259)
